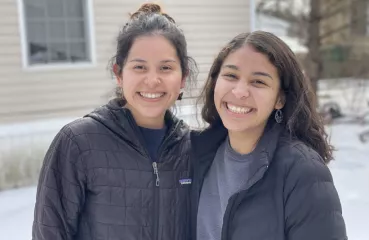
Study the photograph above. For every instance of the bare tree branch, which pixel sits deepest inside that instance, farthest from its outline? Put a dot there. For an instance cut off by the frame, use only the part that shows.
(336, 30)
(284, 15)
(329, 13)
(303, 19)
(340, 28)
(290, 15)
(277, 11)
(260, 6)
(307, 26)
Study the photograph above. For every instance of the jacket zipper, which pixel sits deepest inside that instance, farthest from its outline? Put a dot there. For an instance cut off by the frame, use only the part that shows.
(156, 173)
(156, 216)
(156, 188)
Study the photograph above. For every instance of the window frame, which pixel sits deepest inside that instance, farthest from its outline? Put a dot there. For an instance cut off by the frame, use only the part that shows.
(367, 19)
(90, 41)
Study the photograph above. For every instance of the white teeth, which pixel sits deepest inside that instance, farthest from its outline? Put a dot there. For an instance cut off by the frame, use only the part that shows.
(151, 95)
(237, 109)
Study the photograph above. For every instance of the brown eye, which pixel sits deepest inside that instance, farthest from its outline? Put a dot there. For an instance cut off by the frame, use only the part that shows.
(165, 68)
(259, 82)
(139, 67)
(230, 76)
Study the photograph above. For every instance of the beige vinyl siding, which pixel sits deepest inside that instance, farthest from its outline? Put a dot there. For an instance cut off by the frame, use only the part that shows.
(27, 93)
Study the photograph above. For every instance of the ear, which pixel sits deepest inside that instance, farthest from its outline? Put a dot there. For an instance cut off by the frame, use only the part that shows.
(280, 101)
(118, 76)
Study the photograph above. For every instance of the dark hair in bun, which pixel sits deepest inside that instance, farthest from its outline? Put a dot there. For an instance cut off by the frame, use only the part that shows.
(147, 8)
(151, 8)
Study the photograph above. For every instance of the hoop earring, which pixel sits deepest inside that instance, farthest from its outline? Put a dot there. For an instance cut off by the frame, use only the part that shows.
(278, 116)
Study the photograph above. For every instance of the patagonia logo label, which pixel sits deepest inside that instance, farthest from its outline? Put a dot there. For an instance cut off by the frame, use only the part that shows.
(185, 181)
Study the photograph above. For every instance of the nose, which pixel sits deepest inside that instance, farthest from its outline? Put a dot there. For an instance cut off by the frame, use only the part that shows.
(241, 90)
(152, 79)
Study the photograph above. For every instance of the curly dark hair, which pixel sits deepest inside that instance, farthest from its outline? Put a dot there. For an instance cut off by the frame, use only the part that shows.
(301, 118)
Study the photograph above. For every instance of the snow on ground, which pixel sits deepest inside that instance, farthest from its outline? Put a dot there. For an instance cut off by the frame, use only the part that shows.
(16, 214)
(351, 176)
(350, 171)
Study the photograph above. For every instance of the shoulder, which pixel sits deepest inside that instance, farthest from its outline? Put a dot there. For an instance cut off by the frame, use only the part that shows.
(82, 126)
(311, 202)
(81, 132)
(307, 181)
(301, 163)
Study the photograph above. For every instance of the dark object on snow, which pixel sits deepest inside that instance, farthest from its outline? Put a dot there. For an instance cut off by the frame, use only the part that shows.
(364, 136)
(330, 111)
(333, 109)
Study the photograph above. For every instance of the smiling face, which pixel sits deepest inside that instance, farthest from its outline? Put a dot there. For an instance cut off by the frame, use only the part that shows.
(247, 90)
(151, 79)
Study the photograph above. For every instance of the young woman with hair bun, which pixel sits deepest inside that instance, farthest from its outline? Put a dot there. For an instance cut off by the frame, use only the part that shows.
(123, 170)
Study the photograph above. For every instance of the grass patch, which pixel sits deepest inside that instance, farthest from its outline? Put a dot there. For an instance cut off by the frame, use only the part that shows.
(20, 167)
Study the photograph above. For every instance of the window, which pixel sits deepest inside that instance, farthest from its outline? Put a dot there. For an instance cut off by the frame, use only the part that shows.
(56, 32)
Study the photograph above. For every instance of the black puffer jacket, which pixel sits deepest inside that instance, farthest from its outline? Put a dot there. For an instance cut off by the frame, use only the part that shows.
(97, 182)
(290, 197)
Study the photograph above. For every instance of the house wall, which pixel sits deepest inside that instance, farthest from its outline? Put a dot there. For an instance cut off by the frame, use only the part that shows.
(29, 93)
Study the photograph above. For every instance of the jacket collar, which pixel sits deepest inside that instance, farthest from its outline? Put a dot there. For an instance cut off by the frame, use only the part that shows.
(205, 143)
(120, 121)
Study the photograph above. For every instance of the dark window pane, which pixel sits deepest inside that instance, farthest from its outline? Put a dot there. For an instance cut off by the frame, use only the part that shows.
(36, 31)
(76, 29)
(78, 52)
(55, 8)
(58, 52)
(37, 52)
(57, 30)
(74, 8)
(35, 8)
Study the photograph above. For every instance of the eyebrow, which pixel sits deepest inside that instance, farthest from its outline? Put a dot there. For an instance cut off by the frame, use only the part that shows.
(168, 60)
(137, 60)
(234, 67)
(262, 74)
(143, 61)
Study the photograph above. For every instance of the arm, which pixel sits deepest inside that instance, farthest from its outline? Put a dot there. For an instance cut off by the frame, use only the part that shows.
(312, 206)
(60, 192)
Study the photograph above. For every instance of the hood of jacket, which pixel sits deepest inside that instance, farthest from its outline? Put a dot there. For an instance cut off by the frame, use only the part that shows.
(120, 121)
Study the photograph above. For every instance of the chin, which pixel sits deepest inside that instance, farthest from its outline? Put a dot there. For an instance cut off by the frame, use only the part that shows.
(237, 126)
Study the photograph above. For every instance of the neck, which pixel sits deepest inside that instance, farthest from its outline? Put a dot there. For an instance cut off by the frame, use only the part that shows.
(150, 123)
(245, 142)
(147, 122)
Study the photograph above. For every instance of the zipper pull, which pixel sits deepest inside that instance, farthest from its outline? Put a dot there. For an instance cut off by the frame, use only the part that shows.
(156, 172)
